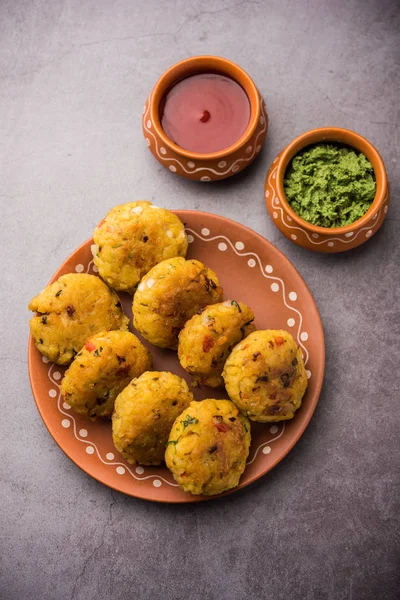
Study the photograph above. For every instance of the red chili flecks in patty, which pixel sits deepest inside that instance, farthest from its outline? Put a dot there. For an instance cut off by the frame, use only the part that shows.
(208, 343)
(101, 223)
(220, 425)
(279, 341)
(90, 346)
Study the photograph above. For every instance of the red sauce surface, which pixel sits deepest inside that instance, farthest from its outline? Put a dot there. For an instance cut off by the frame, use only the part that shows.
(205, 113)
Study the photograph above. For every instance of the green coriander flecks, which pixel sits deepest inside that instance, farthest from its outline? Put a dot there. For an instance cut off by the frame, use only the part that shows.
(329, 185)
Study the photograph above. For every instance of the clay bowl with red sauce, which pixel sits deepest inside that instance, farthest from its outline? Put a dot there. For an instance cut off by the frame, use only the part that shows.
(313, 237)
(197, 81)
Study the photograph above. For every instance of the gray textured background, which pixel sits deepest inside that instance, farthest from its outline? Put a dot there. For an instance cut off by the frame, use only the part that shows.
(73, 78)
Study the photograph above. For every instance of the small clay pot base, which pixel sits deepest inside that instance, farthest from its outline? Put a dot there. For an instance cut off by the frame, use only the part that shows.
(251, 270)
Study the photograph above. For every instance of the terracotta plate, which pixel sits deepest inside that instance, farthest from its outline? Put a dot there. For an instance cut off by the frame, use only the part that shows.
(250, 269)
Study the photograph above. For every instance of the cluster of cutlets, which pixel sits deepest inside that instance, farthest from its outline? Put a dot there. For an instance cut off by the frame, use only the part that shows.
(178, 304)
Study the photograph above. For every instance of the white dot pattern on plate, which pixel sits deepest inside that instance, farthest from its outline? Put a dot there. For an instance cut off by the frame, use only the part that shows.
(89, 446)
(79, 268)
(275, 287)
(292, 296)
(293, 236)
(289, 219)
(275, 214)
(385, 209)
(304, 336)
(261, 120)
(191, 164)
(205, 178)
(258, 148)
(222, 246)
(163, 150)
(235, 168)
(331, 244)
(147, 141)
(350, 234)
(66, 406)
(315, 236)
(267, 193)
(95, 269)
(291, 322)
(52, 393)
(251, 262)
(190, 239)
(148, 124)
(222, 164)
(249, 149)
(375, 215)
(308, 373)
(172, 168)
(369, 233)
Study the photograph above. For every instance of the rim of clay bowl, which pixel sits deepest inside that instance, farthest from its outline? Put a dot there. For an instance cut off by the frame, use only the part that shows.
(201, 64)
(347, 138)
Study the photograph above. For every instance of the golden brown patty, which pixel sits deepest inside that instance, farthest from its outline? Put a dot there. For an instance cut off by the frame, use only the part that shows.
(265, 376)
(144, 414)
(208, 446)
(170, 294)
(207, 339)
(69, 311)
(133, 238)
(106, 364)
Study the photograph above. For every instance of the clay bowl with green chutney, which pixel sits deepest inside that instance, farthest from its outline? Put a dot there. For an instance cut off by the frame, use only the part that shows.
(327, 190)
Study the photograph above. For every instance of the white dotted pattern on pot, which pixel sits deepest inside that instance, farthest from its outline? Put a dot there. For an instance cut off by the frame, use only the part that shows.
(233, 168)
(330, 242)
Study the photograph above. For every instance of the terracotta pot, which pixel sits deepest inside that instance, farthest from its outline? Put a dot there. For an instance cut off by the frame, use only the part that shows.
(325, 239)
(217, 165)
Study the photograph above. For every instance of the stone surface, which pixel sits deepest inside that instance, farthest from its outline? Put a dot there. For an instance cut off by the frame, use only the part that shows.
(323, 525)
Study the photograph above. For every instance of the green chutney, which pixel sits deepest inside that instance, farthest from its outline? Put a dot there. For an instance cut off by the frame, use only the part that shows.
(330, 185)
